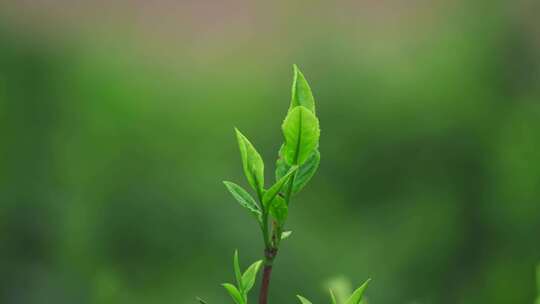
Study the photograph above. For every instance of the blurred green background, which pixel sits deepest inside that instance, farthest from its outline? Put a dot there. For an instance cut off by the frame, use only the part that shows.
(116, 121)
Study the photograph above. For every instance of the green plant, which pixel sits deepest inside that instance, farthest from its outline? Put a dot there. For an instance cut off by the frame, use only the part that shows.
(298, 160)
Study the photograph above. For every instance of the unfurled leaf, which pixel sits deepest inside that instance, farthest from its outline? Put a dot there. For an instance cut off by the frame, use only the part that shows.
(250, 275)
(332, 297)
(306, 171)
(285, 234)
(244, 198)
(301, 92)
(279, 209)
(303, 300)
(356, 296)
(301, 132)
(271, 193)
(252, 162)
(234, 293)
(237, 272)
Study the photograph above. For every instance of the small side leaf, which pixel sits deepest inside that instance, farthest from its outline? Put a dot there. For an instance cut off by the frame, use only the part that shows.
(271, 193)
(285, 234)
(234, 293)
(356, 296)
(301, 131)
(252, 162)
(237, 272)
(279, 209)
(249, 276)
(303, 300)
(301, 94)
(244, 198)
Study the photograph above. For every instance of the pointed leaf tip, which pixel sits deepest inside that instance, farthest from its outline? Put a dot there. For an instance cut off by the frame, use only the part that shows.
(357, 295)
(301, 94)
(237, 272)
(252, 162)
(303, 300)
(285, 234)
(250, 275)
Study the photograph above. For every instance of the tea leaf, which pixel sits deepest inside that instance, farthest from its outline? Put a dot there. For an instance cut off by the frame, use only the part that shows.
(252, 162)
(237, 272)
(285, 234)
(306, 171)
(301, 132)
(301, 94)
(244, 198)
(358, 293)
(279, 209)
(303, 300)
(234, 293)
(248, 278)
(276, 188)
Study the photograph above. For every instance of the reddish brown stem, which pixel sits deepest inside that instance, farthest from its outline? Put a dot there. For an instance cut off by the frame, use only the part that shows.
(263, 296)
(269, 255)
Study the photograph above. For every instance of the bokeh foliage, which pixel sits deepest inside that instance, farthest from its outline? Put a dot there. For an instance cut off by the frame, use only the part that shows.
(113, 152)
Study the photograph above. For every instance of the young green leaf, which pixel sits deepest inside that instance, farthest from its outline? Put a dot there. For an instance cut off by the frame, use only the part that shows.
(358, 293)
(237, 272)
(306, 171)
(301, 132)
(248, 278)
(234, 293)
(332, 297)
(271, 193)
(301, 92)
(285, 234)
(244, 198)
(303, 300)
(252, 162)
(279, 209)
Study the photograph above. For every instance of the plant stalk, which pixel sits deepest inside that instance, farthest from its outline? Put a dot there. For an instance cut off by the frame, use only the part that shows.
(263, 296)
(270, 254)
